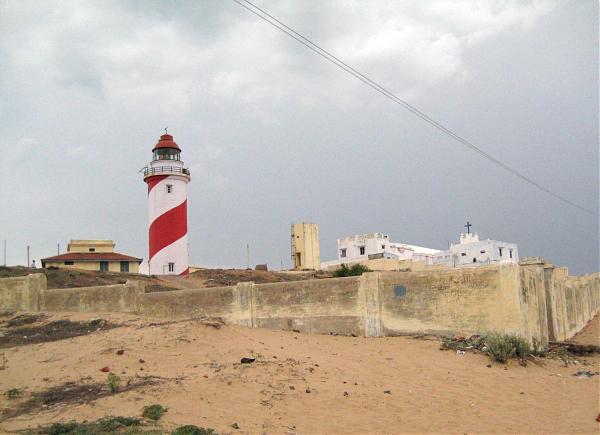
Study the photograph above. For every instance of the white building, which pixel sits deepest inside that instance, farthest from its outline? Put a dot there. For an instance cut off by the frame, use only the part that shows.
(472, 251)
(372, 246)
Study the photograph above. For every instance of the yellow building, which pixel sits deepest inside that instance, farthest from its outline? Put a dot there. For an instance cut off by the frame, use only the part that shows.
(306, 251)
(94, 255)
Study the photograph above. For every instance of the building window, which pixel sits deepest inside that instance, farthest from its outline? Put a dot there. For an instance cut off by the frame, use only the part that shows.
(342, 252)
(92, 249)
(169, 188)
(482, 251)
(510, 253)
(463, 254)
(382, 246)
(361, 250)
(68, 263)
(474, 260)
(171, 267)
(500, 251)
(124, 266)
(104, 266)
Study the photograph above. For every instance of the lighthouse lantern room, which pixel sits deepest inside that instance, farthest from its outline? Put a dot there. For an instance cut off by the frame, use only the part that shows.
(167, 180)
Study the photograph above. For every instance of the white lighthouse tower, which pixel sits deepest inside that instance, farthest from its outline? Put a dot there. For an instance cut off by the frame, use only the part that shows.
(167, 180)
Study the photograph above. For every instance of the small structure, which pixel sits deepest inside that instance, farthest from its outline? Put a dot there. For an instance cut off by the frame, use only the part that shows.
(306, 251)
(470, 251)
(94, 255)
(167, 179)
(369, 249)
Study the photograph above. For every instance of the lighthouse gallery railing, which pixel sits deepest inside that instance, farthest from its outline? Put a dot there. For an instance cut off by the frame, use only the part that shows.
(166, 170)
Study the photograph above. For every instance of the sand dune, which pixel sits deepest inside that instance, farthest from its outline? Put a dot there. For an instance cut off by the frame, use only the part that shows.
(306, 384)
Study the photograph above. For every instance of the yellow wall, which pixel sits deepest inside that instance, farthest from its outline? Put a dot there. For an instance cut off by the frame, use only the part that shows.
(506, 298)
(306, 250)
(113, 266)
(85, 245)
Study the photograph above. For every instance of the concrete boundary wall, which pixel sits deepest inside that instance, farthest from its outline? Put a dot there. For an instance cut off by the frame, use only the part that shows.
(22, 292)
(534, 300)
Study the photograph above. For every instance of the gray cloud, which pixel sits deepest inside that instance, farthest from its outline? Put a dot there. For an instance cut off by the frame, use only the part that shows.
(274, 134)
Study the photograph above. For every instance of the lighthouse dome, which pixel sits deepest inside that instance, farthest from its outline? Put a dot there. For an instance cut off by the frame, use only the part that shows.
(166, 149)
(166, 141)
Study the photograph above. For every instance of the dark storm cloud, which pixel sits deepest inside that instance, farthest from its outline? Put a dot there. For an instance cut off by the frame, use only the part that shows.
(274, 134)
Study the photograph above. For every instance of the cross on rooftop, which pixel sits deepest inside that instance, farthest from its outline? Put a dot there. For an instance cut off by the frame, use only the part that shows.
(468, 227)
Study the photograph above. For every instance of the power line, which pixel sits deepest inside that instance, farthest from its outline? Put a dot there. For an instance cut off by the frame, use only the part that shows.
(264, 15)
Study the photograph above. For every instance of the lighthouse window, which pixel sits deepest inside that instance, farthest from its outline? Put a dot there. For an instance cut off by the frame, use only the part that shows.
(171, 267)
(166, 154)
(169, 188)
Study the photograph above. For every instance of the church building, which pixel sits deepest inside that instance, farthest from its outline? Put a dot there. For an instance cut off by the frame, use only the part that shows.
(470, 251)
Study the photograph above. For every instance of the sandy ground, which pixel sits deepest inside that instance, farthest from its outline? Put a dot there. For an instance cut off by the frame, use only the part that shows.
(590, 334)
(306, 384)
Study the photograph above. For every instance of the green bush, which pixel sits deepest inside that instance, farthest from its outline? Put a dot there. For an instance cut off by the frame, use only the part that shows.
(111, 424)
(154, 412)
(63, 428)
(355, 270)
(521, 346)
(13, 393)
(501, 347)
(190, 429)
(498, 347)
(113, 382)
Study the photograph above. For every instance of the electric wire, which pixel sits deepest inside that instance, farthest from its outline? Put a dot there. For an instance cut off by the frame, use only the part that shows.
(265, 16)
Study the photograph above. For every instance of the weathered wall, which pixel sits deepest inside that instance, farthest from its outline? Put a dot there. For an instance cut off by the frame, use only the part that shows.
(532, 304)
(458, 300)
(109, 298)
(582, 295)
(22, 293)
(571, 301)
(534, 300)
(313, 306)
(185, 304)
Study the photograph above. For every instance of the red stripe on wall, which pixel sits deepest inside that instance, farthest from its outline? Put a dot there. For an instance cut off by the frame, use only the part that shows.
(153, 181)
(186, 272)
(168, 228)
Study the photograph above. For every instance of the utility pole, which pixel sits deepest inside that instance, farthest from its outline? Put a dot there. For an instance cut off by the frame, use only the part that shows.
(27, 265)
(58, 249)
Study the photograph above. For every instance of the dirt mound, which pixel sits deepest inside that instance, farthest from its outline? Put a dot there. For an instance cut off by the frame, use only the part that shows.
(16, 335)
(71, 393)
(72, 278)
(227, 277)
(590, 334)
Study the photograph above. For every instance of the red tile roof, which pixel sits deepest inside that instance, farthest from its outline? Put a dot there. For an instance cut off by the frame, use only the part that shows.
(92, 256)
(166, 141)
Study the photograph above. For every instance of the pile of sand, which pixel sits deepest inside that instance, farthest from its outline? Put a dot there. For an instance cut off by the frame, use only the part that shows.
(299, 383)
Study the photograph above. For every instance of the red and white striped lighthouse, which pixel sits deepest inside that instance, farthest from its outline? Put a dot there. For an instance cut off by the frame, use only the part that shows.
(167, 181)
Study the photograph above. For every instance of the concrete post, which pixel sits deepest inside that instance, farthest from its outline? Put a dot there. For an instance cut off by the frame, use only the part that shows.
(243, 304)
(551, 306)
(370, 304)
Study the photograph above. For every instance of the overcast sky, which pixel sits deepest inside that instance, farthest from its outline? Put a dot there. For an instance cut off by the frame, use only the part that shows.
(274, 134)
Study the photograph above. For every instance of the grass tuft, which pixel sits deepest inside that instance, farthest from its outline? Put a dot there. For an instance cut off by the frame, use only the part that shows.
(154, 412)
(113, 382)
(501, 347)
(13, 393)
(190, 429)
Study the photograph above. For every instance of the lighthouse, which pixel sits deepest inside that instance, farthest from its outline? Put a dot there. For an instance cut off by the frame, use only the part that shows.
(167, 180)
